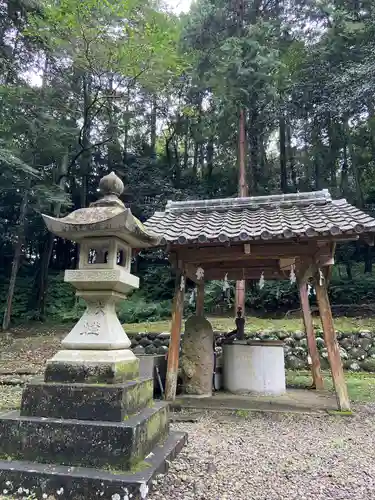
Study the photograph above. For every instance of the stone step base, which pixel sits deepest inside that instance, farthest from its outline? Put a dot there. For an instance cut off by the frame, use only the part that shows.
(106, 402)
(83, 443)
(78, 483)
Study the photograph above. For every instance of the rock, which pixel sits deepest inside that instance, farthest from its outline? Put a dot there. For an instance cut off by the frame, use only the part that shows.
(347, 335)
(320, 343)
(343, 353)
(162, 349)
(157, 343)
(164, 335)
(319, 333)
(290, 341)
(346, 343)
(324, 353)
(288, 351)
(368, 365)
(298, 335)
(134, 343)
(300, 352)
(139, 350)
(366, 334)
(365, 343)
(357, 353)
(324, 363)
(139, 337)
(150, 349)
(354, 367)
(371, 352)
(166, 342)
(197, 361)
(295, 363)
(152, 336)
(282, 334)
(339, 335)
(346, 364)
(303, 343)
(144, 342)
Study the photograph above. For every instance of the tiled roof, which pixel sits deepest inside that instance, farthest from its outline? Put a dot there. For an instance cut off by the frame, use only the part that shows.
(304, 215)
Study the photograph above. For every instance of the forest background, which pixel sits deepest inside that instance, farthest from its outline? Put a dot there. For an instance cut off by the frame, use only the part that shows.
(87, 87)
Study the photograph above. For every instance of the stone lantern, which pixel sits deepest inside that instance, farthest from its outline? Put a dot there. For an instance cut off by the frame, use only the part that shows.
(97, 346)
(90, 427)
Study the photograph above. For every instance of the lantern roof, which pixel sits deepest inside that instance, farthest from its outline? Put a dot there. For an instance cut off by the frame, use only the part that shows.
(107, 217)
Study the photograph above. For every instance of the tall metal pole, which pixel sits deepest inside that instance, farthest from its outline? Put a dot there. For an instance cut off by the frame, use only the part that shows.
(242, 185)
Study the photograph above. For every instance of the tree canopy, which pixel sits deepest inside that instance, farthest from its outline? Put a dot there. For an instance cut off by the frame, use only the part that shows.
(87, 87)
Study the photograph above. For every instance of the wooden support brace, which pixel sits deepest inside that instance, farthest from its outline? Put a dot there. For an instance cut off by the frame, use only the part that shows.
(174, 346)
(318, 383)
(332, 345)
(200, 300)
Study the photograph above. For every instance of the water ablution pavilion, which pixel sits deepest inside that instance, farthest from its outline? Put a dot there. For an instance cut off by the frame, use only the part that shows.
(89, 427)
(290, 236)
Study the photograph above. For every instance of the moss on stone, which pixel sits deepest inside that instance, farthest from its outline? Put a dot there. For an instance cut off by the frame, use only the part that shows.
(126, 370)
(138, 466)
(156, 424)
(343, 413)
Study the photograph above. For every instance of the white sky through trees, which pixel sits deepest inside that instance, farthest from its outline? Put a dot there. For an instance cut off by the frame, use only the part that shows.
(179, 5)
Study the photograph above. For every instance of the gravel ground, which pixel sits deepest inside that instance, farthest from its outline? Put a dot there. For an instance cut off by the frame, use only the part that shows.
(274, 457)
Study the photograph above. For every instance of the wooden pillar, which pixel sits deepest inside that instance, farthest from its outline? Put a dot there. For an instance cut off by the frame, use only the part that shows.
(332, 344)
(200, 300)
(174, 345)
(318, 383)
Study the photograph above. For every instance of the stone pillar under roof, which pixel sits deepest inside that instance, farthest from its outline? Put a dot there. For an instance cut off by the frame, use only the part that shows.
(90, 428)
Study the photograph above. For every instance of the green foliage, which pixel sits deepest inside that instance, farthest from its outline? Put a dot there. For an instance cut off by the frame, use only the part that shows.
(87, 87)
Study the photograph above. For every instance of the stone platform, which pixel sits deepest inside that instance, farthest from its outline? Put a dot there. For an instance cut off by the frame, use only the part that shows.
(86, 440)
(80, 483)
(293, 401)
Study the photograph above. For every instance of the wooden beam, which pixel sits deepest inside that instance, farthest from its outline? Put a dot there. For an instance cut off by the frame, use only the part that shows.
(304, 269)
(318, 383)
(242, 264)
(331, 344)
(200, 300)
(174, 346)
(237, 252)
(329, 269)
(236, 274)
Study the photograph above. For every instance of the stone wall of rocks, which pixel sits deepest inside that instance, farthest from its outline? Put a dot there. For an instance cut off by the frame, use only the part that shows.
(357, 348)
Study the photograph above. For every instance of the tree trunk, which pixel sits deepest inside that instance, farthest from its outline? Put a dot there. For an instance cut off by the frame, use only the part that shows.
(253, 177)
(344, 182)
(371, 126)
(201, 160)
(290, 156)
(126, 126)
(334, 148)
(86, 138)
(316, 143)
(210, 158)
(282, 144)
(355, 170)
(16, 260)
(195, 159)
(348, 267)
(153, 120)
(114, 149)
(186, 144)
(368, 259)
(242, 192)
(47, 254)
